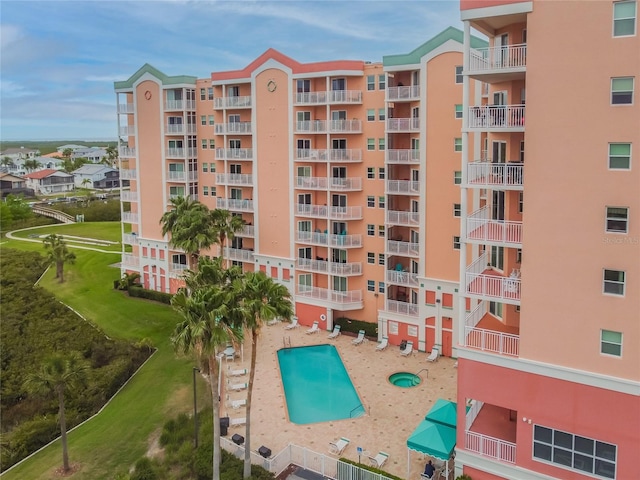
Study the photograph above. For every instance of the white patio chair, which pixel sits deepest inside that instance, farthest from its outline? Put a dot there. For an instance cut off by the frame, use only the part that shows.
(407, 350)
(379, 460)
(337, 447)
(293, 324)
(383, 344)
(359, 339)
(433, 356)
(335, 333)
(314, 329)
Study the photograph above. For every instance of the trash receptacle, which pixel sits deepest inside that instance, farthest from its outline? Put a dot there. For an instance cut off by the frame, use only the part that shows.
(237, 439)
(224, 426)
(264, 451)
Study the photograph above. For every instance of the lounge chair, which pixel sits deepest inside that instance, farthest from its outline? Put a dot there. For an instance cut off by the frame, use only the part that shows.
(407, 350)
(293, 324)
(338, 446)
(433, 356)
(236, 387)
(314, 328)
(379, 460)
(383, 344)
(235, 404)
(273, 321)
(335, 333)
(236, 422)
(359, 339)
(237, 373)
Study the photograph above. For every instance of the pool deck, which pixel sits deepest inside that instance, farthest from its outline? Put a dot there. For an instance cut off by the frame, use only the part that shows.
(392, 412)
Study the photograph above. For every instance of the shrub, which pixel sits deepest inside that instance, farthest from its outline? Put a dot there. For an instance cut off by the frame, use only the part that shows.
(140, 292)
(354, 326)
(144, 470)
(371, 469)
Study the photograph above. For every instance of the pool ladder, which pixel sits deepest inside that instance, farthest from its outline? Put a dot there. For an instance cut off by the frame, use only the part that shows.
(423, 370)
(286, 341)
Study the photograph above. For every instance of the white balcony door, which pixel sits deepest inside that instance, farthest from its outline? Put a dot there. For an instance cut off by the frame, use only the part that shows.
(499, 152)
(497, 207)
(233, 91)
(339, 115)
(339, 143)
(338, 84)
(304, 171)
(236, 194)
(339, 200)
(338, 227)
(415, 144)
(234, 144)
(340, 284)
(500, 98)
(303, 116)
(339, 172)
(304, 281)
(338, 256)
(304, 144)
(303, 86)
(234, 118)
(304, 226)
(502, 49)
(305, 253)
(304, 199)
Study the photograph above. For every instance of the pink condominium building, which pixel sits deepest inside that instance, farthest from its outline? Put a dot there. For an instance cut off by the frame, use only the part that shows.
(337, 168)
(549, 357)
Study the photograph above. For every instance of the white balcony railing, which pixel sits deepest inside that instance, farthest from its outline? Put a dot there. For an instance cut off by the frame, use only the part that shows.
(312, 183)
(234, 153)
(173, 152)
(403, 124)
(247, 231)
(498, 58)
(497, 117)
(491, 341)
(130, 260)
(233, 127)
(402, 278)
(127, 130)
(128, 174)
(345, 126)
(180, 105)
(331, 155)
(345, 96)
(177, 267)
(403, 308)
(403, 218)
(129, 239)
(312, 98)
(232, 102)
(344, 241)
(319, 238)
(398, 94)
(494, 286)
(403, 156)
(127, 152)
(128, 196)
(487, 446)
(403, 186)
(245, 179)
(128, 217)
(315, 238)
(312, 126)
(345, 213)
(345, 184)
(235, 204)
(179, 128)
(488, 174)
(472, 413)
(318, 266)
(334, 296)
(402, 248)
(308, 210)
(126, 108)
(238, 254)
(345, 269)
(481, 227)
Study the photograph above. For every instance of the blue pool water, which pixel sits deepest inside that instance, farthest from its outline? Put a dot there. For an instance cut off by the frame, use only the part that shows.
(317, 386)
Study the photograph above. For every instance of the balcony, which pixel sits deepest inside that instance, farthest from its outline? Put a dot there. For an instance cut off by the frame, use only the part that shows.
(402, 278)
(403, 157)
(234, 153)
(177, 268)
(309, 265)
(332, 183)
(180, 105)
(311, 126)
(130, 260)
(490, 447)
(504, 176)
(129, 239)
(312, 183)
(128, 196)
(329, 155)
(332, 96)
(485, 283)
(493, 64)
(506, 118)
(232, 102)
(345, 213)
(485, 332)
(181, 176)
(311, 98)
(181, 153)
(325, 239)
(127, 130)
(128, 217)
(349, 300)
(490, 432)
(403, 94)
(334, 213)
(179, 129)
(395, 247)
(127, 152)
(126, 108)
(238, 254)
(403, 218)
(481, 228)
(396, 125)
(238, 179)
(402, 187)
(128, 174)
(235, 205)
(402, 308)
(238, 128)
(247, 231)
(345, 126)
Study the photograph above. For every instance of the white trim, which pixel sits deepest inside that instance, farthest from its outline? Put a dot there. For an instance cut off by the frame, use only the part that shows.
(496, 11)
(403, 67)
(230, 81)
(328, 73)
(503, 470)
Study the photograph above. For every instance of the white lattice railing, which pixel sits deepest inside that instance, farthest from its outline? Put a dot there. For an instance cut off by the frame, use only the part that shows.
(498, 58)
(490, 447)
(329, 155)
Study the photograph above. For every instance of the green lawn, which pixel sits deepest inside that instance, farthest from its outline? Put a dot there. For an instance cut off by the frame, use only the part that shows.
(109, 231)
(117, 437)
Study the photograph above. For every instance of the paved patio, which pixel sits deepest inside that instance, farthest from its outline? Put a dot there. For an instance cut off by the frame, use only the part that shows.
(392, 412)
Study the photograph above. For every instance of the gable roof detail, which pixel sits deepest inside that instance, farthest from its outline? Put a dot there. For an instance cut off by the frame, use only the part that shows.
(164, 79)
(47, 172)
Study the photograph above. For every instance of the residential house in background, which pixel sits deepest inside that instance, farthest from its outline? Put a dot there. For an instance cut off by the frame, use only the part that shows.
(21, 153)
(94, 174)
(14, 185)
(50, 181)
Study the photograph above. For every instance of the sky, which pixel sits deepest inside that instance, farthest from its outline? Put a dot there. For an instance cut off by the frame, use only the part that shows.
(59, 59)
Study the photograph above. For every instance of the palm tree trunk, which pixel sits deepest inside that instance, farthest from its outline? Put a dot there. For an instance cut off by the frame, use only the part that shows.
(247, 442)
(63, 431)
(214, 370)
(60, 271)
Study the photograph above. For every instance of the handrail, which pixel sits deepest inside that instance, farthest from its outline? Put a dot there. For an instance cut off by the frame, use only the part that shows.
(423, 370)
(355, 408)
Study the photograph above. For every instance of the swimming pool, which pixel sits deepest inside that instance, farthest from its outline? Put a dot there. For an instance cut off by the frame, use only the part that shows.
(317, 386)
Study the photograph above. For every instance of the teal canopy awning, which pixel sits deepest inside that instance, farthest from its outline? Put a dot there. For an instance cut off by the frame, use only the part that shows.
(444, 412)
(433, 439)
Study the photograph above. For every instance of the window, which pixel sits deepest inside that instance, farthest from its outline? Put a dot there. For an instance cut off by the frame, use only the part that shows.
(210, 93)
(371, 143)
(371, 82)
(381, 202)
(371, 257)
(519, 255)
(456, 243)
(457, 144)
(611, 343)
(371, 201)
(205, 167)
(213, 191)
(381, 144)
(381, 173)
(212, 143)
(381, 114)
(574, 452)
(303, 86)
(211, 120)
(381, 259)
(624, 18)
(212, 167)
(457, 177)
(381, 287)
(204, 143)
(620, 156)
(458, 111)
(382, 82)
(459, 74)
(371, 172)
(456, 210)
(205, 191)
(371, 285)
(371, 229)
(520, 202)
(203, 95)
(617, 219)
(622, 91)
(371, 114)
(614, 282)
(203, 120)
(393, 327)
(381, 230)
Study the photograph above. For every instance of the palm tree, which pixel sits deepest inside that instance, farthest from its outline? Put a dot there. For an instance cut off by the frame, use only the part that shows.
(207, 327)
(57, 374)
(262, 300)
(31, 164)
(112, 155)
(7, 162)
(225, 226)
(190, 225)
(58, 253)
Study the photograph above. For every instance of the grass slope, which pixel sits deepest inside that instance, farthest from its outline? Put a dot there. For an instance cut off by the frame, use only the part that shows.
(116, 438)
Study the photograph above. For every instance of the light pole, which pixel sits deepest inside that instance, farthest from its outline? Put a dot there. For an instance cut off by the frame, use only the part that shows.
(195, 408)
